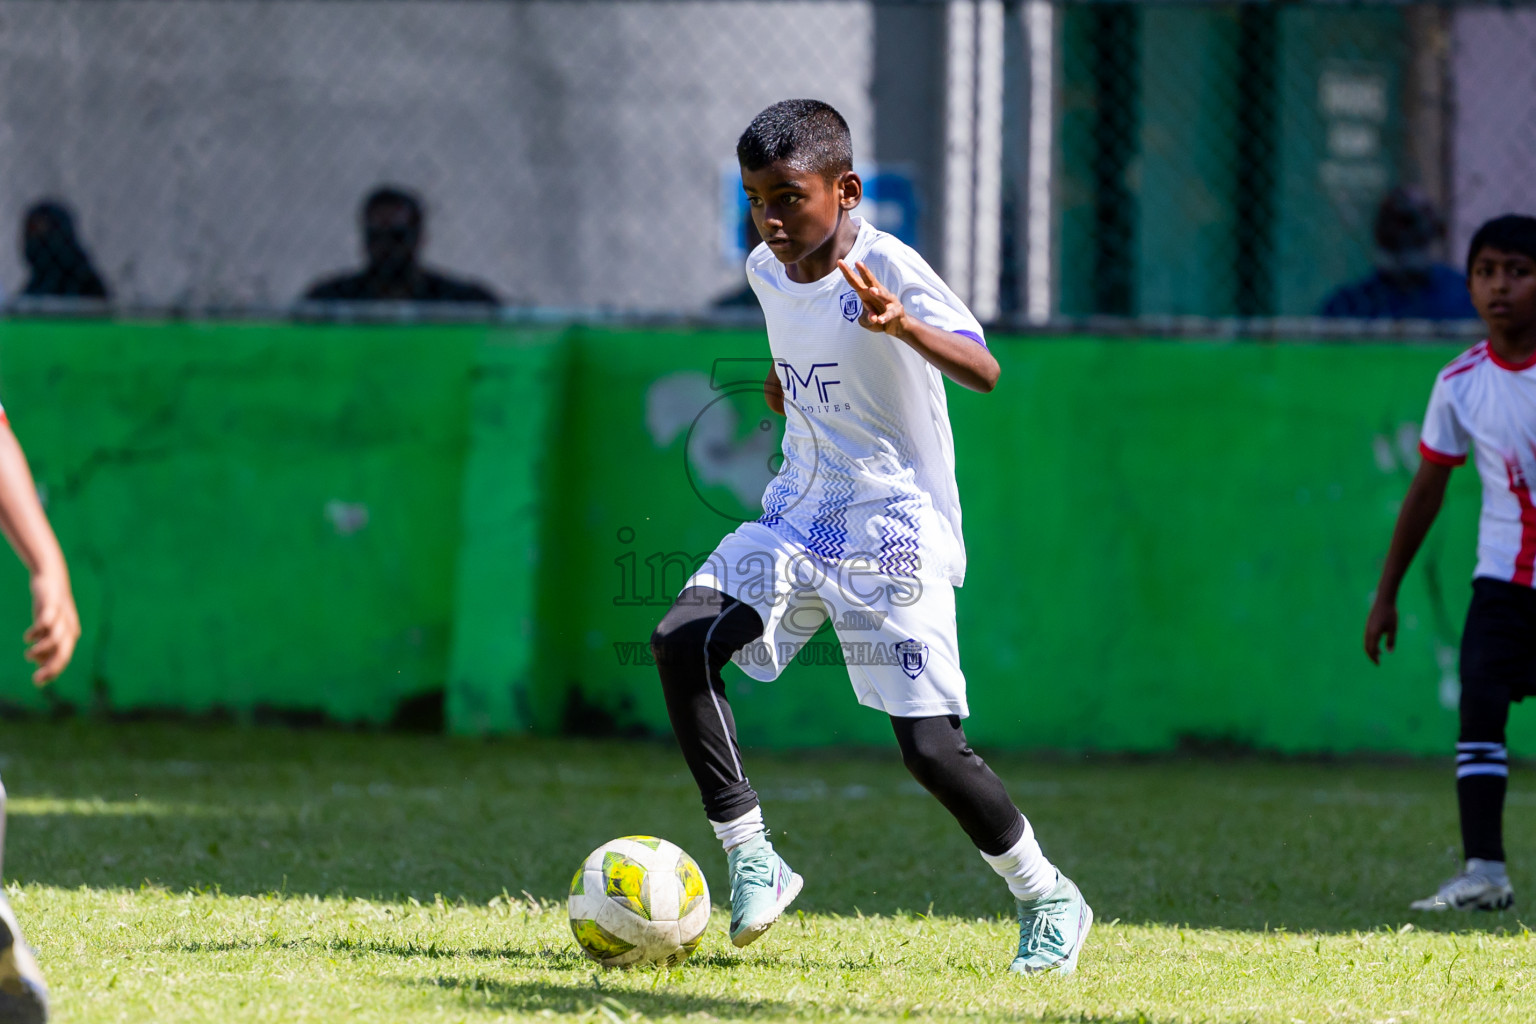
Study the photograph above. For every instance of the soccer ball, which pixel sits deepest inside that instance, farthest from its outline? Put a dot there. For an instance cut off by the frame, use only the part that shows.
(636, 900)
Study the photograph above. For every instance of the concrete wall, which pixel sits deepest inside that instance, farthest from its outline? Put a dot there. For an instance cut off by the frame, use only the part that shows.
(216, 152)
(1493, 75)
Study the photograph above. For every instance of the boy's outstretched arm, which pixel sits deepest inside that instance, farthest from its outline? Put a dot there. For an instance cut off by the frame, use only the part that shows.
(1420, 507)
(55, 623)
(961, 359)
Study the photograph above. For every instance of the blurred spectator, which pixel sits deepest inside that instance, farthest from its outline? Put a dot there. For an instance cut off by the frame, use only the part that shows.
(60, 265)
(393, 230)
(1409, 283)
(743, 297)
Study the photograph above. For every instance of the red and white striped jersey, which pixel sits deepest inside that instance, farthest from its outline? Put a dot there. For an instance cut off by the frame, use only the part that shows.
(1483, 401)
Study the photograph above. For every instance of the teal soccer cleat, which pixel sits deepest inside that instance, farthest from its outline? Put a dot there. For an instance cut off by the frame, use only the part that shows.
(762, 885)
(1052, 930)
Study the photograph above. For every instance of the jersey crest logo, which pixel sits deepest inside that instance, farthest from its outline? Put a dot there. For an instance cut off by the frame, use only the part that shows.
(851, 306)
(914, 656)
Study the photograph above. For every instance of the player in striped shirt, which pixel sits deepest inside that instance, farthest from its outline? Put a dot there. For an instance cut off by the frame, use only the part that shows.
(860, 526)
(1485, 399)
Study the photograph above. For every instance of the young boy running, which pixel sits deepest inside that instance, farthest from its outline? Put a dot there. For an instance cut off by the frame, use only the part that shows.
(862, 524)
(51, 639)
(1485, 398)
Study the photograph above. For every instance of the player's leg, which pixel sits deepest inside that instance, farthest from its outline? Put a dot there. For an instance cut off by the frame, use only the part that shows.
(23, 995)
(935, 751)
(700, 633)
(695, 639)
(1497, 653)
(1482, 775)
(900, 640)
(1053, 916)
(1482, 772)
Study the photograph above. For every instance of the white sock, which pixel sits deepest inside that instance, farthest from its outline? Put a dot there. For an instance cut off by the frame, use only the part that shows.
(1028, 874)
(738, 830)
(1492, 870)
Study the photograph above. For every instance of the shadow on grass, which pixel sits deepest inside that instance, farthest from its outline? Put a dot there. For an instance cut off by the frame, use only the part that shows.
(1206, 843)
(553, 959)
(1357, 920)
(254, 854)
(565, 959)
(534, 996)
(546, 998)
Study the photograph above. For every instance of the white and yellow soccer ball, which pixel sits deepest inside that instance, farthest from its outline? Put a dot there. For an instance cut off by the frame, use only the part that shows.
(638, 900)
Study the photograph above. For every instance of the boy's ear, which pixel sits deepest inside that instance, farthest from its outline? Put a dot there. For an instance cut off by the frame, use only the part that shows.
(850, 190)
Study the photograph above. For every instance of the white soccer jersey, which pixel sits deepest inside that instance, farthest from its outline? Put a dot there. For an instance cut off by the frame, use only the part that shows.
(1483, 401)
(869, 458)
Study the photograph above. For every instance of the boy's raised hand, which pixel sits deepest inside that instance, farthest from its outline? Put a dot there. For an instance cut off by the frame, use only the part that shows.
(883, 311)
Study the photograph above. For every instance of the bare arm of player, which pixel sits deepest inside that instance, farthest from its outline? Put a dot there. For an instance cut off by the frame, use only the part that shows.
(1417, 515)
(55, 623)
(957, 357)
(773, 391)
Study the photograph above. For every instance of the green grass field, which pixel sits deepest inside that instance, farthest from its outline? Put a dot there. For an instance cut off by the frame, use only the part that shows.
(178, 873)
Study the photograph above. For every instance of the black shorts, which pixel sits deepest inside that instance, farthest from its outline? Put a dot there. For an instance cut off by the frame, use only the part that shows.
(1498, 647)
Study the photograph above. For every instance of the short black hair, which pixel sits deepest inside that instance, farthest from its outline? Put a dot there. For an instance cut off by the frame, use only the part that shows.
(1512, 232)
(393, 195)
(808, 133)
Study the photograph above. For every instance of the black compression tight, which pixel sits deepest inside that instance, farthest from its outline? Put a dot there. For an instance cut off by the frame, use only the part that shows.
(695, 639)
(692, 644)
(936, 753)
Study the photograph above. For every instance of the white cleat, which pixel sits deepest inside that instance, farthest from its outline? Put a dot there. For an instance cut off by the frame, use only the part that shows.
(1470, 890)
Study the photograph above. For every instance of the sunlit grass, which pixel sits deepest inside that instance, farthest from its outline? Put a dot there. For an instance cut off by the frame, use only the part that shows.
(174, 874)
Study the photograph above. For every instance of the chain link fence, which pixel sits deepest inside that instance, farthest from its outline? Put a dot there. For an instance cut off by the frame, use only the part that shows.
(1152, 165)
(1295, 160)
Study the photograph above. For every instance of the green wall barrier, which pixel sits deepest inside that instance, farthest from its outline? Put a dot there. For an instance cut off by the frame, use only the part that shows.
(1171, 543)
(515, 445)
(255, 516)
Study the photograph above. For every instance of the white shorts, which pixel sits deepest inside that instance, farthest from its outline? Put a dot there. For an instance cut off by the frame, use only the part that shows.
(897, 634)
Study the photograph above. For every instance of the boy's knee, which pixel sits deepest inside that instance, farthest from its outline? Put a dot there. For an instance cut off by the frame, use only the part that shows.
(921, 765)
(703, 617)
(679, 635)
(660, 636)
(1484, 714)
(931, 749)
(665, 644)
(673, 639)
